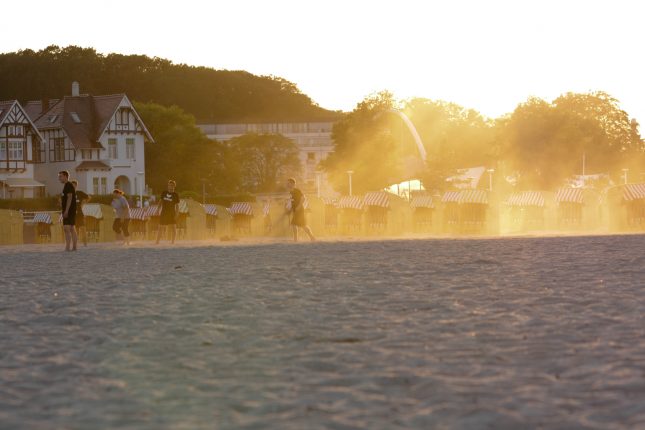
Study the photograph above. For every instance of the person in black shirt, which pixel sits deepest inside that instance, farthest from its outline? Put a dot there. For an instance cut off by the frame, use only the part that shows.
(297, 209)
(169, 203)
(81, 198)
(68, 207)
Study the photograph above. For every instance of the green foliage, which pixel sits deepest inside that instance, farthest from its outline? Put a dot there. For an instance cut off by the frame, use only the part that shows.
(210, 95)
(262, 162)
(545, 142)
(365, 145)
(542, 143)
(379, 148)
(180, 151)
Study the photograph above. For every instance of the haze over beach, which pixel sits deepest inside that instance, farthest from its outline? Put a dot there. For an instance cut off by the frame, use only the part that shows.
(281, 214)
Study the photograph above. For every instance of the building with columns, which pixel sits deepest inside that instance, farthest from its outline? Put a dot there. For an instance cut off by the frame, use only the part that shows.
(98, 139)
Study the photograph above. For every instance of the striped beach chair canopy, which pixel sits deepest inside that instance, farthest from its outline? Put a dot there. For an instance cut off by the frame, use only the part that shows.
(634, 192)
(526, 198)
(479, 197)
(266, 207)
(422, 202)
(350, 202)
(210, 209)
(329, 201)
(153, 211)
(450, 197)
(240, 208)
(569, 195)
(379, 199)
(140, 214)
(43, 217)
(93, 210)
(183, 207)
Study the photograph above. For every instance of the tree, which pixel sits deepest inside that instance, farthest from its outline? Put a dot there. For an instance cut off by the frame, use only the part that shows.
(181, 151)
(454, 137)
(546, 142)
(364, 143)
(262, 162)
(210, 95)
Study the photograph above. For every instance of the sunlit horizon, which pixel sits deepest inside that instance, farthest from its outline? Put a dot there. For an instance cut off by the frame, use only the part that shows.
(488, 56)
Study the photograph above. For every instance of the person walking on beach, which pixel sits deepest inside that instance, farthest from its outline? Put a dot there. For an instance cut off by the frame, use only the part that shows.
(297, 209)
(169, 203)
(68, 208)
(81, 198)
(122, 209)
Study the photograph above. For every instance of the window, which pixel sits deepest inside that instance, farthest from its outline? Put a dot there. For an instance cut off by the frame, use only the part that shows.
(123, 117)
(37, 150)
(113, 149)
(53, 118)
(3, 151)
(95, 186)
(75, 117)
(57, 149)
(129, 148)
(104, 189)
(15, 151)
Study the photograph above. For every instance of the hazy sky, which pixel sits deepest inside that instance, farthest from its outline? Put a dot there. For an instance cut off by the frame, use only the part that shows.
(488, 55)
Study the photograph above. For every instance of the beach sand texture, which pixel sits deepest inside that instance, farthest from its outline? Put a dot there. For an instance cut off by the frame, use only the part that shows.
(455, 334)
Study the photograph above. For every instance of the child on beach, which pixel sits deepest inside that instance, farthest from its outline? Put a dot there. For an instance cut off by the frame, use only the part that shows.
(169, 202)
(68, 206)
(297, 209)
(122, 210)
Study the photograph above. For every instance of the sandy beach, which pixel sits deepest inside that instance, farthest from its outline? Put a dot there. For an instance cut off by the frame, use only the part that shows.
(507, 333)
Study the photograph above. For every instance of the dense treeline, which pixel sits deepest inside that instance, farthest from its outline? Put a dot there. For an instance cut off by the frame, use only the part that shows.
(539, 145)
(209, 95)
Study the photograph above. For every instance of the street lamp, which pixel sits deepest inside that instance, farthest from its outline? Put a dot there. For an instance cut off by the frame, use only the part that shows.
(490, 179)
(349, 173)
(140, 174)
(625, 170)
(318, 178)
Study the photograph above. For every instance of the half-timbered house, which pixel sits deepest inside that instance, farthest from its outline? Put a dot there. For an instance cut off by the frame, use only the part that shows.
(98, 139)
(20, 144)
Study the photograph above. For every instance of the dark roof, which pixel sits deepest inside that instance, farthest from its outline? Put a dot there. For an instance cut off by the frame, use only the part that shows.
(5, 107)
(86, 165)
(34, 108)
(93, 112)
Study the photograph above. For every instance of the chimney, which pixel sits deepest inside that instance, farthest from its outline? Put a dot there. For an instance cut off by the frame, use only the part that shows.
(44, 105)
(75, 89)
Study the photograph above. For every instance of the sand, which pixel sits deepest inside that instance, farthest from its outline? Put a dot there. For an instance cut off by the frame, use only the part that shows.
(455, 334)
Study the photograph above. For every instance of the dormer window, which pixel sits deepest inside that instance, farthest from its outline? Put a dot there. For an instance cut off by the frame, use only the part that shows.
(75, 117)
(53, 119)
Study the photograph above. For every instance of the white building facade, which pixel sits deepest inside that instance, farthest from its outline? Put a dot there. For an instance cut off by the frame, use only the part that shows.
(99, 139)
(313, 138)
(18, 137)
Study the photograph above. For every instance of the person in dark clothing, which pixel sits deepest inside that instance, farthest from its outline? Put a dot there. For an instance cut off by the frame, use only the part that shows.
(81, 198)
(297, 210)
(68, 208)
(169, 203)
